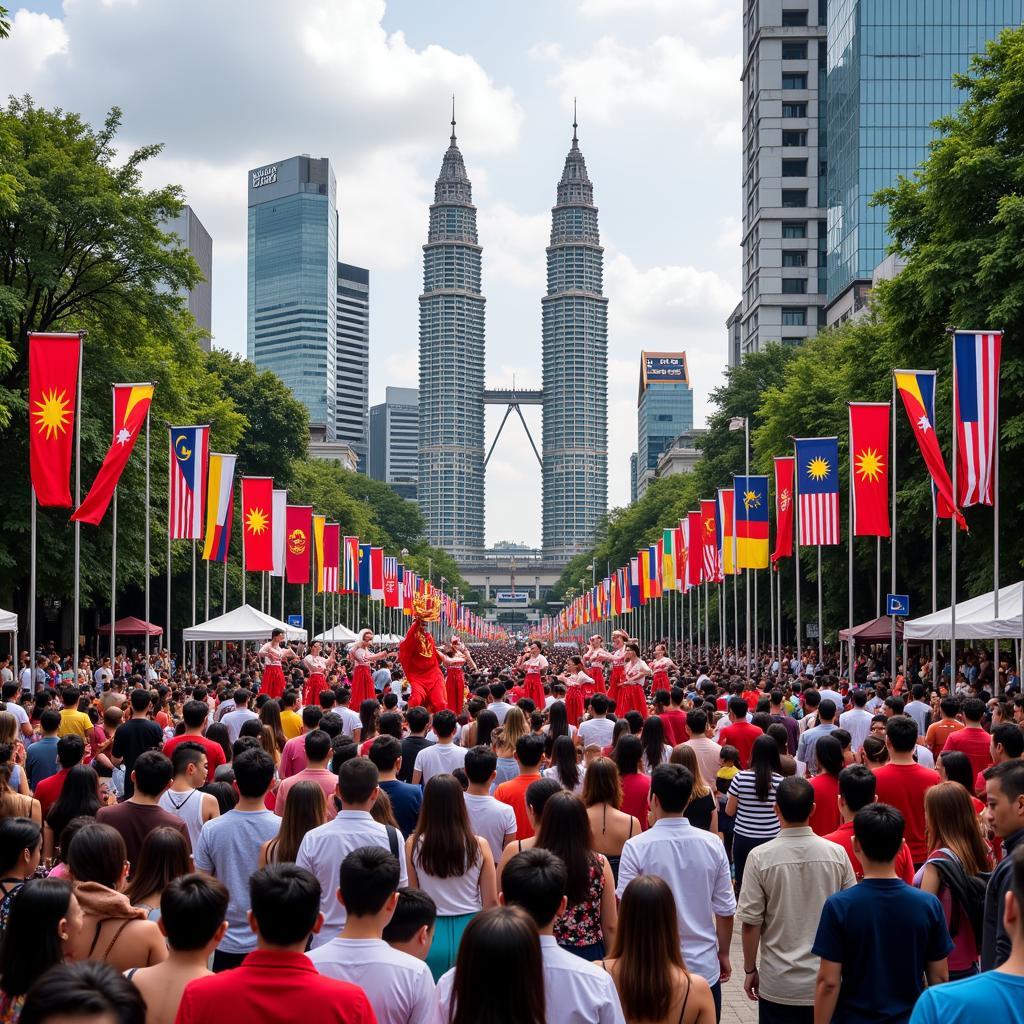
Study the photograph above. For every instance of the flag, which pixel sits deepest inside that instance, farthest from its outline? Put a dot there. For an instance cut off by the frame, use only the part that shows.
(785, 471)
(332, 556)
(391, 596)
(319, 522)
(680, 556)
(654, 557)
(634, 583)
(257, 523)
(298, 525)
(377, 574)
(917, 389)
(408, 590)
(53, 365)
(131, 408)
(869, 468)
(220, 482)
(751, 522)
(350, 565)
(684, 554)
(696, 548)
(278, 528)
(726, 523)
(817, 488)
(712, 563)
(364, 570)
(976, 357)
(189, 451)
(668, 560)
(643, 559)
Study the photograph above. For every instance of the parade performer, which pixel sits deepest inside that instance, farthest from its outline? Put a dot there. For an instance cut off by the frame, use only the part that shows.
(318, 666)
(594, 658)
(630, 695)
(362, 658)
(274, 654)
(616, 656)
(576, 683)
(419, 658)
(661, 666)
(455, 658)
(533, 663)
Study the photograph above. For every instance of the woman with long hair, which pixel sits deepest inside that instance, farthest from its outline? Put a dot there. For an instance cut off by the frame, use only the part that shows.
(652, 739)
(828, 752)
(594, 658)
(499, 974)
(577, 683)
(317, 666)
(80, 798)
(955, 766)
(44, 921)
(636, 787)
(361, 658)
(304, 810)
(486, 723)
(10, 736)
(457, 659)
(369, 716)
(702, 810)
(751, 800)
(557, 725)
(163, 857)
(610, 826)
(21, 847)
(537, 796)
(533, 665)
(218, 733)
(646, 965)
(270, 716)
(565, 769)
(504, 742)
(635, 673)
(587, 927)
(14, 804)
(453, 866)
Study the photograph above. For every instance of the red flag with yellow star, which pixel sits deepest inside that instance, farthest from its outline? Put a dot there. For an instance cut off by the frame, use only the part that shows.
(257, 523)
(131, 407)
(869, 468)
(53, 362)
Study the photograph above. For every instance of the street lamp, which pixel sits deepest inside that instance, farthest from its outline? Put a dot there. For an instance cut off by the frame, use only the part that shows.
(743, 423)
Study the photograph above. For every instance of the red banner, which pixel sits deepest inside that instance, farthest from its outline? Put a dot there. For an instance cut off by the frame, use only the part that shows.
(257, 523)
(695, 559)
(869, 468)
(785, 471)
(52, 395)
(332, 558)
(298, 537)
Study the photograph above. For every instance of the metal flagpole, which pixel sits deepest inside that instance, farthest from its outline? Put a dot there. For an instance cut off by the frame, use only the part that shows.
(206, 616)
(746, 572)
(892, 545)
(995, 538)
(952, 560)
(849, 552)
(113, 577)
(193, 603)
(735, 607)
(754, 574)
(146, 546)
(821, 625)
(170, 470)
(707, 624)
(224, 611)
(32, 592)
(243, 576)
(935, 595)
(796, 563)
(78, 526)
(771, 624)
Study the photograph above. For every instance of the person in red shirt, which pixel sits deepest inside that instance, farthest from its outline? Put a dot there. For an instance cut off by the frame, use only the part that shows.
(972, 739)
(740, 733)
(529, 752)
(903, 783)
(277, 982)
(828, 752)
(857, 790)
(674, 719)
(194, 715)
(70, 751)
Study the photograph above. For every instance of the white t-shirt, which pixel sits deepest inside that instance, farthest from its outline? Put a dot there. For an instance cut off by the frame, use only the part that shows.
(454, 896)
(500, 709)
(492, 820)
(350, 720)
(596, 730)
(234, 720)
(19, 713)
(440, 758)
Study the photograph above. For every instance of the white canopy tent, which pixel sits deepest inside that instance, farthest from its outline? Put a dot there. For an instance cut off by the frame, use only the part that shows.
(244, 623)
(338, 635)
(975, 619)
(9, 624)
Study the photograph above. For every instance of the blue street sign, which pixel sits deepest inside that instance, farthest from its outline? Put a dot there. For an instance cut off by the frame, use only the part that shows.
(897, 604)
(295, 620)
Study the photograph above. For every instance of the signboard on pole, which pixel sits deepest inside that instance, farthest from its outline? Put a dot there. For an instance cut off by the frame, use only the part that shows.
(812, 631)
(295, 620)
(897, 604)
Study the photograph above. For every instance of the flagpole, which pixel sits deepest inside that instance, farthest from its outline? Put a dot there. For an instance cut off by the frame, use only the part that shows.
(113, 578)
(32, 594)
(77, 616)
(995, 530)
(206, 617)
(849, 551)
(746, 572)
(754, 574)
(953, 529)
(170, 470)
(796, 559)
(935, 595)
(224, 611)
(146, 545)
(707, 616)
(878, 570)
(771, 607)
(892, 545)
(821, 629)
(193, 604)
(735, 600)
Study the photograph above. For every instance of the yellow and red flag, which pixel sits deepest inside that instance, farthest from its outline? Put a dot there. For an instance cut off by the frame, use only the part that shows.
(257, 523)
(53, 362)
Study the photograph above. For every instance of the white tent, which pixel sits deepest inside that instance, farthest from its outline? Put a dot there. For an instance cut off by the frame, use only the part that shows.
(244, 623)
(975, 619)
(9, 624)
(338, 635)
(388, 638)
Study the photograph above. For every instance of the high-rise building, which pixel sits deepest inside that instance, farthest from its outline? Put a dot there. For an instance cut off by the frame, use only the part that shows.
(352, 376)
(664, 410)
(451, 416)
(293, 281)
(575, 369)
(890, 68)
(734, 336)
(189, 228)
(784, 168)
(394, 440)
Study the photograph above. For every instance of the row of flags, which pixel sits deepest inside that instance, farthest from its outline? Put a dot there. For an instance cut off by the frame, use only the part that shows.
(730, 532)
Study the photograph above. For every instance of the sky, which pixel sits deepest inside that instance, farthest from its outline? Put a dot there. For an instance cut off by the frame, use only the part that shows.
(231, 85)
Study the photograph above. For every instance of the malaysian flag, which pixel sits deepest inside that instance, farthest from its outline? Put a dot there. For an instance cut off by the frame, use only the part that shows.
(976, 356)
(190, 450)
(817, 487)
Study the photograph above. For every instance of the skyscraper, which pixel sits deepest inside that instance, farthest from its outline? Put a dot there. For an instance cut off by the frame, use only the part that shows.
(575, 369)
(189, 228)
(352, 376)
(394, 440)
(664, 410)
(451, 416)
(293, 281)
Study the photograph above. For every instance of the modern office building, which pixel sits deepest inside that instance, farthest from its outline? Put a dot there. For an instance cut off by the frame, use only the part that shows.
(189, 228)
(450, 485)
(734, 336)
(352, 377)
(632, 477)
(681, 456)
(293, 282)
(664, 410)
(395, 441)
(575, 369)
(890, 68)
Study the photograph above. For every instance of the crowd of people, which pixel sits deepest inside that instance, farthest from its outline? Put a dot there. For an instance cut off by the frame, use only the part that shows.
(553, 835)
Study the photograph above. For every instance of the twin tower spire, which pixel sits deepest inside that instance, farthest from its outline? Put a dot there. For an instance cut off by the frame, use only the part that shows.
(574, 357)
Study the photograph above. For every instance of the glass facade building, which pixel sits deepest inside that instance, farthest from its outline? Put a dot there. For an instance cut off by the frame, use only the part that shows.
(664, 410)
(890, 68)
(293, 280)
(394, 440)
(575, 369)
(352, 376)
(189, 228)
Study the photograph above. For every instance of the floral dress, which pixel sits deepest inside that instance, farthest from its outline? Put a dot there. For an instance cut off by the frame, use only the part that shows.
(579, 929)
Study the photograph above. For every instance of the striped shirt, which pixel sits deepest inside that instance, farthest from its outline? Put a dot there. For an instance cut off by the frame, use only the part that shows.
(755, 818)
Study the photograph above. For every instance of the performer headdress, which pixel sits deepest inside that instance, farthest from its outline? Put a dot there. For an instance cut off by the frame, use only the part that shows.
(427, 607)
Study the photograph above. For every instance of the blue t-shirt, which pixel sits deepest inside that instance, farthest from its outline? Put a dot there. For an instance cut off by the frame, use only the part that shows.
(41, 760)
(990, 996)
(884, 933)
(405, 803)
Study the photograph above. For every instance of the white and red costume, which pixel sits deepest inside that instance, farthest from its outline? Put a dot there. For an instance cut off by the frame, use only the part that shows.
(274, 656)
(630, 694)
(532, 684)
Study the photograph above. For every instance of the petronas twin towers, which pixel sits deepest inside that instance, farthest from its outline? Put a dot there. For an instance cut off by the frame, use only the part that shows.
(574, 353)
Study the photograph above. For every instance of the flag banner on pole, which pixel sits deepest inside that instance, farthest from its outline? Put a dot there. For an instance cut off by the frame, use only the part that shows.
(332, 557)
(712, 563)
(696, 548)
(53, 361)
(350, 565)
(643, 561)
(917, 389)
(377, 574)
(668, 560)
(679, 553)
(364, 570)
(298, 526)
(684, 554)
(869, 468)
(751, 521)
(131, 407)
(278, 532)
(257, 523)
(319, 522)
(634, 582)
(391, 595)
(785, 471)
(189, 457)
(408, 590)
(726, 524)
(817, 467)
(976, 356)
(220, 483)
(654, 557)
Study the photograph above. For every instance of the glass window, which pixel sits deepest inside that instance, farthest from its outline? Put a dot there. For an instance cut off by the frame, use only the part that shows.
(794, 51)
(794, 197)
(794, 286)
(794, 18)
(794, 316)
(794, 109)
(794, 229)
(794, 137)
(794, 258)
(794, 168)
(794, 81)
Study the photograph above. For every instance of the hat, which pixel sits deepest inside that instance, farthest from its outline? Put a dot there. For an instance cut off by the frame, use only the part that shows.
(427, 607)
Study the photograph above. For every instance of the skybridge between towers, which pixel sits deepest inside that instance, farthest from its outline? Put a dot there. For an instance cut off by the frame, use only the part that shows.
(512, 399)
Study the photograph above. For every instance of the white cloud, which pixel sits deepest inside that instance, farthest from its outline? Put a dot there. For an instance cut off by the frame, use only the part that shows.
(39, 37)
(514, 244)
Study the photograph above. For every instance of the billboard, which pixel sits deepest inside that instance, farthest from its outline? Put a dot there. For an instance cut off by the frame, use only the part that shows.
(512, 598)
(664, 368)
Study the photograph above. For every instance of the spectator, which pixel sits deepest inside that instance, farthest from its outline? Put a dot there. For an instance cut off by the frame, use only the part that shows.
(598, 727)
(418, 720)
(83, 991)
(529, 752)
(72, 721)
(386, 753)
(21, 847)
(829, 754)
(79, 797)
(135, 736)
(707, 750)
(411, 928)
(752, 802)
(938, 732)
(565, 768)
(306, 810)
(190, 766)
(739, 733)
(857, 721)
(293, 756)
(41, 758)
(636, 786)
(70, 751)
(317, 746)
(444, 755)
(805, 752)
(702, 810)
(488, 818)
(194, 714)
(239, 715)
(1004, 785)
(972, 738)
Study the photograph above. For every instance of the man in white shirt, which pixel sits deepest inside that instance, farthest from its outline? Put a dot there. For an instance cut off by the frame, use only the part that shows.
(442, 756)
(598, 728)
(323, 849)
(489, 818)
(102, 676)
(496, 702)
(857, 721)
(234, 720)
(694, 864)
(399, 987)
(350, 719)
(575, 991)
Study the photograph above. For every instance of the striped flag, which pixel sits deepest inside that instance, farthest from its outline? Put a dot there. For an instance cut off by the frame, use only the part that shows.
(709, 538)
(279, 530)
(332, 556)
(668, 566)
(350, 557)
(219, 506)
(319, 522)
(190, 450)
(695, 535)
(976, 358)
(391, 597)
(817, 472)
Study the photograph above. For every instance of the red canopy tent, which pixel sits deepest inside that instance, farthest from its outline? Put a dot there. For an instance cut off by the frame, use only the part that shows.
(877, 631)
(131, 626)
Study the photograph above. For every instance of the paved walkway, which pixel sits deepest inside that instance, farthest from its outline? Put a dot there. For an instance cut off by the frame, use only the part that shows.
(736, 1007)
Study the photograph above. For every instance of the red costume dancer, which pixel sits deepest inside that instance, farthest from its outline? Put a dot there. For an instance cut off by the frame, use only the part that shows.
(630, 695)
(617, 657)
(274, 654)
(455, 681)
(318, 667)
(419, 658)
(593, 659)
(533, 663)
(661, 666)
(362, 678)
(576, 683)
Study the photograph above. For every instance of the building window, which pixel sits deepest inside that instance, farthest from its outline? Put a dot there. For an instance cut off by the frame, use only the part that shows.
(792, 341)
(794, 286)
(794, 316)
(794, 81)
(794, 51)
(794, 229)
(794, 168)
(794, 19)
(794, 258)
(794, 197)
(794, 137)
(794, 109)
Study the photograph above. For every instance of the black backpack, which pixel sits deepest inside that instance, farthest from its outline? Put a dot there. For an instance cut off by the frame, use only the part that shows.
(968, 894)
